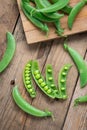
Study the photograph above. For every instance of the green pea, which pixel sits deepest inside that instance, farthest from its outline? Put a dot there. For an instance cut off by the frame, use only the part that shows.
(29, 86)
(49, 70)
(63, 73)
(46, 88)
(37, 76)
(33, 93)
(40, 81)
(27, 71)
(28, 65)
(27, 78)
(52, 85)
(62, 80)
(26, 75)
(49, 91)
(66, 68)
(43, 84)
(36, 72)
(63, 88)
(27, 82)
(26, 68)
(31, 90)
(50, 78)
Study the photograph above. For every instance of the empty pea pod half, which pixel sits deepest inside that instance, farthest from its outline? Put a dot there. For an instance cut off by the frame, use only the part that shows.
(62, 80)
(26, 107)
(81, 99)
(9, 53)
(80, 63)
(50, 79)
(40, 81)
(27, 79)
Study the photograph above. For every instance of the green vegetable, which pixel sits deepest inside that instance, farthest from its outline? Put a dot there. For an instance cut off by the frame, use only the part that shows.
(76, 9)
(27, 79)
(39, 79)
(55, 7)
(50, 78)
(35, 21)
(26, 107)
(62, 80)
(80, 63)
(82, 99)
(9, 53)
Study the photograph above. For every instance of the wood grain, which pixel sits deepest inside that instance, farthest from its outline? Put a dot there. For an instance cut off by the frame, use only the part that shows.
(34, 35)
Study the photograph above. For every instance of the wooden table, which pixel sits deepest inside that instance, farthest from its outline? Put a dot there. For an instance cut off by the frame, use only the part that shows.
(67, 117)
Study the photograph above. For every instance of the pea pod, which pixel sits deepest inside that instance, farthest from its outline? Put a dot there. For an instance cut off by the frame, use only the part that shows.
(62, 80)
(57, 24)
(27, 79)
(82, 99)
(76, 9)
(40, 81)
(37, 15)
(9, 53)
(80, 63)
(44, 4)
(26, 107)
(55, 7)
(35, 21)
(50, 79)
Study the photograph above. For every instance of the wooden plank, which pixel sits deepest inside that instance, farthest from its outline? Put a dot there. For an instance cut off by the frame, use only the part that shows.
(8, 16)
(34, 35)
(11, 117)
(57, 57)
(77, 117)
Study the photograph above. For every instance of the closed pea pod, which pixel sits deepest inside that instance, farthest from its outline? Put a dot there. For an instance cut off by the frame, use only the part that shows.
(80, 63)
(76, 9)
(9, 53)
(40, 81)
(62, 80)
(26, 107)
(81, 99)
(27, 79)
(35, 21)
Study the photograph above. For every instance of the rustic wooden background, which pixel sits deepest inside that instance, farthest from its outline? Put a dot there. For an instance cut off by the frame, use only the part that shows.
(67, 117)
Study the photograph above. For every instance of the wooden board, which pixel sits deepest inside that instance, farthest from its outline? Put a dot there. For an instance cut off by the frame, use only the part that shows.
(34, 35)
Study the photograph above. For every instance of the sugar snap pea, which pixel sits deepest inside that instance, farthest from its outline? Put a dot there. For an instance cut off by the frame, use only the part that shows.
(44, 4)
(26, 107)
(37, 15)
(9, 53)
(55, 7)
(76, 9)
(80, 63)
(40, 81)
(50, 78)
(81, 99)
(27, 79)
(35, 21)
(62, 80)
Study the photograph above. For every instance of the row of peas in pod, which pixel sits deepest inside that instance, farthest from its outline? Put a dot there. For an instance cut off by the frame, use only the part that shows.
(48, 86)
(41, 12)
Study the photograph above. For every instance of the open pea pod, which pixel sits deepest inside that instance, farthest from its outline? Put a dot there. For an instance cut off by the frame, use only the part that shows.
(27, 79)
(40, 81)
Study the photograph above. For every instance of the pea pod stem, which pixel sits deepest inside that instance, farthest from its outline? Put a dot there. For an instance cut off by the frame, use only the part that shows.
(26, 107)
(55, 7)
(76, 9)
(81, 99)
(80, 63)
(9, 53)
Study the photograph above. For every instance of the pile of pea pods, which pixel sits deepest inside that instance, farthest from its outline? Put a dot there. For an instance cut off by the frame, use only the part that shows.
(41, 12)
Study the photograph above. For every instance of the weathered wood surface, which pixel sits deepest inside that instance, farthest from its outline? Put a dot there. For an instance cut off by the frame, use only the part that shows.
(67, 117)
(34, 35)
